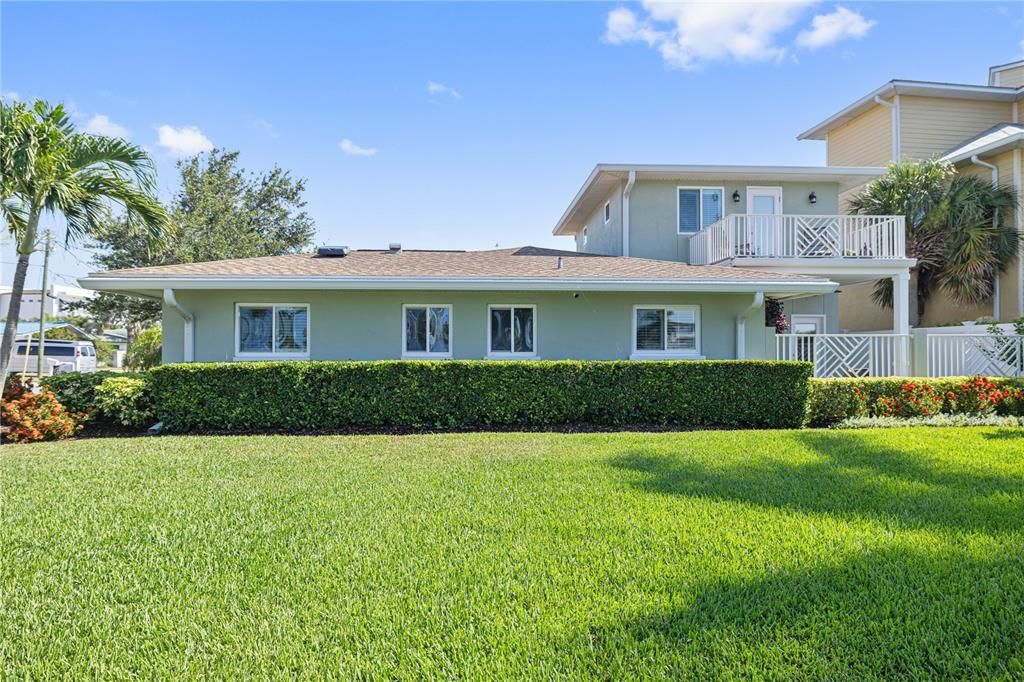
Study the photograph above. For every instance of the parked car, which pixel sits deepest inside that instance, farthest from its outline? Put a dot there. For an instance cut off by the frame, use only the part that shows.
(58, 356)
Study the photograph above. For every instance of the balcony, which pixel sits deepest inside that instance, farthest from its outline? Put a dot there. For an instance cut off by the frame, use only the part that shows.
(757, 240)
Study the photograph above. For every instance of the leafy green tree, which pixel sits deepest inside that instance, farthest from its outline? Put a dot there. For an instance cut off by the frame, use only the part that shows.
(957, 227)
(48, 168)
(145, 352)
(220, 211)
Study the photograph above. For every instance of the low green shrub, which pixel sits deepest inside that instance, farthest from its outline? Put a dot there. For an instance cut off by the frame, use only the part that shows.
(126, 400)
(472, 394)
(833, 400)
(76, 391)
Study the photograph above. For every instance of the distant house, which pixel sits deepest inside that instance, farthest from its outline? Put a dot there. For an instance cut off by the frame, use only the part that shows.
(56, 303)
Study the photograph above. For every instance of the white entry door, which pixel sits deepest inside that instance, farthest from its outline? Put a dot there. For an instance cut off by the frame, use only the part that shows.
(764, 204)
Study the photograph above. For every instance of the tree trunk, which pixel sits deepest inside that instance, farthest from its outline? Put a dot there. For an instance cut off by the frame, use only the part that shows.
(26, 244)
(13, 311)
(916, 309)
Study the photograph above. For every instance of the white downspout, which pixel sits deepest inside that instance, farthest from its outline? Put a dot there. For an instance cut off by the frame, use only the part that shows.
(895, 124)
(995, 183)
(741, 325)
(625, 212)
(185, 315)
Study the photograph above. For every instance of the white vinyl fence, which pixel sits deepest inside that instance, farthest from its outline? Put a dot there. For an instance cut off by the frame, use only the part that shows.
(994, 355)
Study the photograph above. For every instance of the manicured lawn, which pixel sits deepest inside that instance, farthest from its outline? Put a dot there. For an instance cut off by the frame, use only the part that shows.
(867, 554)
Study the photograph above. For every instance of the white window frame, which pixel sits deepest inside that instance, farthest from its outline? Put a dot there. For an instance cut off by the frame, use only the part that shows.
(585, 236)
(273, 355)
(667, 354)
(426, 354)
(607, 212)
(700, 205)
(512, 355)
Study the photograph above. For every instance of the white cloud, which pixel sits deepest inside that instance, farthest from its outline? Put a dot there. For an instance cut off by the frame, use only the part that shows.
(264, 126)
(690, 34)
(184, 141)
(435, 88)
(100, 124)
(828, 29)
(352, 149)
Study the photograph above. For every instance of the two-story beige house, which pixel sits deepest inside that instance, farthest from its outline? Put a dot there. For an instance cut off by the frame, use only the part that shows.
(975, 127)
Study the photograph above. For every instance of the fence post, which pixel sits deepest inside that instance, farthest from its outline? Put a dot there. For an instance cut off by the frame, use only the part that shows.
(919, 352)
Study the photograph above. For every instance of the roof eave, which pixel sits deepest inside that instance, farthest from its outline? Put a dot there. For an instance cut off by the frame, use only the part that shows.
(138, 284)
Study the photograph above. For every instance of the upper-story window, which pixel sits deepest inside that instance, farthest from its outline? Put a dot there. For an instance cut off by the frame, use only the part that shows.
(584, 241)
(607, 211)
(699, 207)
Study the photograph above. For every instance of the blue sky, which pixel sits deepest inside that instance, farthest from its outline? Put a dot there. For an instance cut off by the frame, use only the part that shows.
(527, 97)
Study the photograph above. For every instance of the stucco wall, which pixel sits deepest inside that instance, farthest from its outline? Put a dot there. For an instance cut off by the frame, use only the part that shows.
(603, 237)
(368, 325)
(653, 226)
(827, 305)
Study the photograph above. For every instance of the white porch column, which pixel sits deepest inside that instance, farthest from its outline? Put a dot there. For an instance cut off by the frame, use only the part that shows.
(901, 320)
(901, 303)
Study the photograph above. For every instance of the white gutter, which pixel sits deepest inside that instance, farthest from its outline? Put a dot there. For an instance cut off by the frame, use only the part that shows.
(995, 183)
(561, 283)
(625, 211)
(894, 106)
(741, 325)
(171, 301)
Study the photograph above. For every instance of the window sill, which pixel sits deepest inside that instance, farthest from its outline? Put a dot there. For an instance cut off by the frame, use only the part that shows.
(666, 356)
(427, 356)
(256, 357)
(511, 356)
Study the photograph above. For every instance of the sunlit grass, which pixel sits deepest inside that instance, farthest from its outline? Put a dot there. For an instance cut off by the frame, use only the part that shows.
(865, 554)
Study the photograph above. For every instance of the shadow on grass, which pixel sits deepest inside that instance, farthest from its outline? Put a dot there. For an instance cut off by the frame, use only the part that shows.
(850, 477)
(1005, 434)
(915, 608)
(885, 614)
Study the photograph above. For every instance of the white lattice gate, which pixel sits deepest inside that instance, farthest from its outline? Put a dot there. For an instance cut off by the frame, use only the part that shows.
(848, 355)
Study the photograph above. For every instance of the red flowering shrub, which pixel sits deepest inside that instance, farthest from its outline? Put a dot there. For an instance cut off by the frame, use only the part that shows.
(913, 400)
(980, 395)
(28, 416)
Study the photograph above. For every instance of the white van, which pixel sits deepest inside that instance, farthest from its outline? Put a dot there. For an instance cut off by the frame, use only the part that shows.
(58, 356)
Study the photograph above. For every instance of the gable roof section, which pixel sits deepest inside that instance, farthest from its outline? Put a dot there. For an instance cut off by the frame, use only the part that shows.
(916, 88)
(606, 177)
(995, 140)
(525, 268)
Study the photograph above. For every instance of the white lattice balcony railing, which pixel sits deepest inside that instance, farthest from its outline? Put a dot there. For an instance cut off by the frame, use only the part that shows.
(848, 355)
(746, 235)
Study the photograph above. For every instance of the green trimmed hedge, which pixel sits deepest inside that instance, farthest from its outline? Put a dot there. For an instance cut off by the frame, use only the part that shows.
(833, 400)
(76, 391)
(473, 394)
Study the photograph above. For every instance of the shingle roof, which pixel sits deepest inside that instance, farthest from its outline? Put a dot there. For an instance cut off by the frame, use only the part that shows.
(528, 262)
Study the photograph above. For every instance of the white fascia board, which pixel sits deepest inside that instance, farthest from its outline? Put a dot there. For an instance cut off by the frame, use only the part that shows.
(831, 268)
(105, 283)
(919, 88)
(560, 225)
(1000, 145)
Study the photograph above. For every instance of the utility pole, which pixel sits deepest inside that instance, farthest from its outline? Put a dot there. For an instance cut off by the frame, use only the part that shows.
(47, 246)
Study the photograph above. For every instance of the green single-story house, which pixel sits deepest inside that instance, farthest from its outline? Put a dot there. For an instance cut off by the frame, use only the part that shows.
(525, 303)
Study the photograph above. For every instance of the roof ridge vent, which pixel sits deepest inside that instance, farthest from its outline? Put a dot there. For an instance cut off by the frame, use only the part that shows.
(332, 251)
(395, 247)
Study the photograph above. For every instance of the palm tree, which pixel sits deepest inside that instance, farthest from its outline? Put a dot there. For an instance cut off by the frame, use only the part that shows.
(955, 229)
(49, 168)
